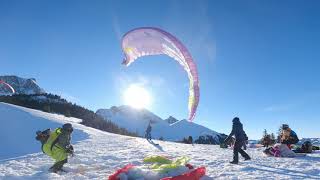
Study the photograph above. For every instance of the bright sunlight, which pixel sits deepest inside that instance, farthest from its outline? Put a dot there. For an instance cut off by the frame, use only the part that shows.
(137, 97)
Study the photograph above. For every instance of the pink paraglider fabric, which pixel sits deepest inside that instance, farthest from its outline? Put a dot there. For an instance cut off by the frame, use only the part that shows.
(8, 85)
(147, 41)
(119, 171)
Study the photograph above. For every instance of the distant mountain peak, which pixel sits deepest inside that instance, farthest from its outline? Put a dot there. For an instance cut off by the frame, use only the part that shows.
(22, 85)
(171, 120)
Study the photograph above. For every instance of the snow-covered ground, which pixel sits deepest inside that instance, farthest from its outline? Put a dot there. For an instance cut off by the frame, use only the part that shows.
(98, 154)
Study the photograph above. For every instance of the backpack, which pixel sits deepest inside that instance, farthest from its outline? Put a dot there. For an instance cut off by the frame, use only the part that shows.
(43, 136)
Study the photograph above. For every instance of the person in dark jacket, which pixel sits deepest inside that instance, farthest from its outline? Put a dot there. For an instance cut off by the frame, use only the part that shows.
(190, 140)
(241, 138)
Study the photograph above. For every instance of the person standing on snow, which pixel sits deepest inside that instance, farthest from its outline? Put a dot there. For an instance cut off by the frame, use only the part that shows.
(241, 138)
(190, 140)
(148, 132)
(57, 145)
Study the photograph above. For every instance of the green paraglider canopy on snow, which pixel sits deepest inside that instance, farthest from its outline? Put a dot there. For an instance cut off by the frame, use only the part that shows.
(163, 164)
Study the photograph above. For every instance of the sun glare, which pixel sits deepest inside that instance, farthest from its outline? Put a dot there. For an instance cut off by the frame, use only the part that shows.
(137, 97)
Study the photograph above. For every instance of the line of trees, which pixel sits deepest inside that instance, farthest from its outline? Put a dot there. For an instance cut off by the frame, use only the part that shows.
(55, 104)
(205, 139)
(268, 139)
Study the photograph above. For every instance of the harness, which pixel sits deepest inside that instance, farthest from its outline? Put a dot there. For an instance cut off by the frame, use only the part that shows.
(53, 139)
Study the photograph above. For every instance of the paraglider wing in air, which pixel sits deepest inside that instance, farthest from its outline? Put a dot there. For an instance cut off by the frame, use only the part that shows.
(154, 41)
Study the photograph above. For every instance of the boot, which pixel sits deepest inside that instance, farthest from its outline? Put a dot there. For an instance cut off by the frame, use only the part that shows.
(58, 166)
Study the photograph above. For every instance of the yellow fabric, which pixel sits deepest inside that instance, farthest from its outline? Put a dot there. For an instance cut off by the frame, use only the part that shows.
(128, 50)
(57, 152)
(168, 166)
(157, 159)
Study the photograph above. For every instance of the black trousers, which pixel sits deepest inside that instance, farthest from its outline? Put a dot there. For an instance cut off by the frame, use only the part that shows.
(237, 149)
(148, 136)
(58, 165)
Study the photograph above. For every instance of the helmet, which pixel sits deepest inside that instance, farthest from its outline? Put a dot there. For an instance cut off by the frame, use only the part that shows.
(235, 120)
(67, 127)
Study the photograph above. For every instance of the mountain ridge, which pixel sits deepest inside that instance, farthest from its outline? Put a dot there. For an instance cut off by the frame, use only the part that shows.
(171, 129)
(21, 85)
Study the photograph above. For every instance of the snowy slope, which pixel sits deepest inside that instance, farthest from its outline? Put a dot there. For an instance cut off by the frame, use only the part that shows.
(22, 85)
(99, 154)
(137, 121)
(18, 127)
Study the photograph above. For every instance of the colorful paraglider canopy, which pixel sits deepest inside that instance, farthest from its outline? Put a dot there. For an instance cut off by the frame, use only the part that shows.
(7, 86)
(147, 41)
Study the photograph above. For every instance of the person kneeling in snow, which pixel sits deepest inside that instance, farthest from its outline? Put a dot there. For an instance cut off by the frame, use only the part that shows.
(288, 136)
(57, 145)
(241, 138)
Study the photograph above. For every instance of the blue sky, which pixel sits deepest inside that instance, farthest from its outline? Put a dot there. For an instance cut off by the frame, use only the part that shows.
(257, 60)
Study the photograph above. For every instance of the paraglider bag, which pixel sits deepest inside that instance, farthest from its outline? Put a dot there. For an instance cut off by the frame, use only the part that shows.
(43, 136)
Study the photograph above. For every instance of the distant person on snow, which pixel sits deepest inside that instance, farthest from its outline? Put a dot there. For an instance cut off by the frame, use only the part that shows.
(241, 138)
(148, 132)
(288, 136)
(56, 144)
(190, 140)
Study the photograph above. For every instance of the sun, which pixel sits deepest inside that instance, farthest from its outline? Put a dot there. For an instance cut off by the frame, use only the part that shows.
(137, 97)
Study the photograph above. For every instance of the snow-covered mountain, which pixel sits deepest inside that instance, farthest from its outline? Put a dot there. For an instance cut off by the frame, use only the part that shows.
(21, 85)
(99, 154)
(171, 129)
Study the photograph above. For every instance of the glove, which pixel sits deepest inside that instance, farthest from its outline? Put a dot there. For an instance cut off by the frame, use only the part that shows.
(70, 149)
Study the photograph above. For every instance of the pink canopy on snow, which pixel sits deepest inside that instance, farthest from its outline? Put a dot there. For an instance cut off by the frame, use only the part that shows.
(147, 41)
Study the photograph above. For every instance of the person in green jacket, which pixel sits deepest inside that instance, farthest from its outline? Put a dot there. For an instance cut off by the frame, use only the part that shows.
(58, 146)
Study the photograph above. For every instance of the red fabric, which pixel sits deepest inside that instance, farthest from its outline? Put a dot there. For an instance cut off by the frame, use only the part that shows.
(119, 171)
(192, 175)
